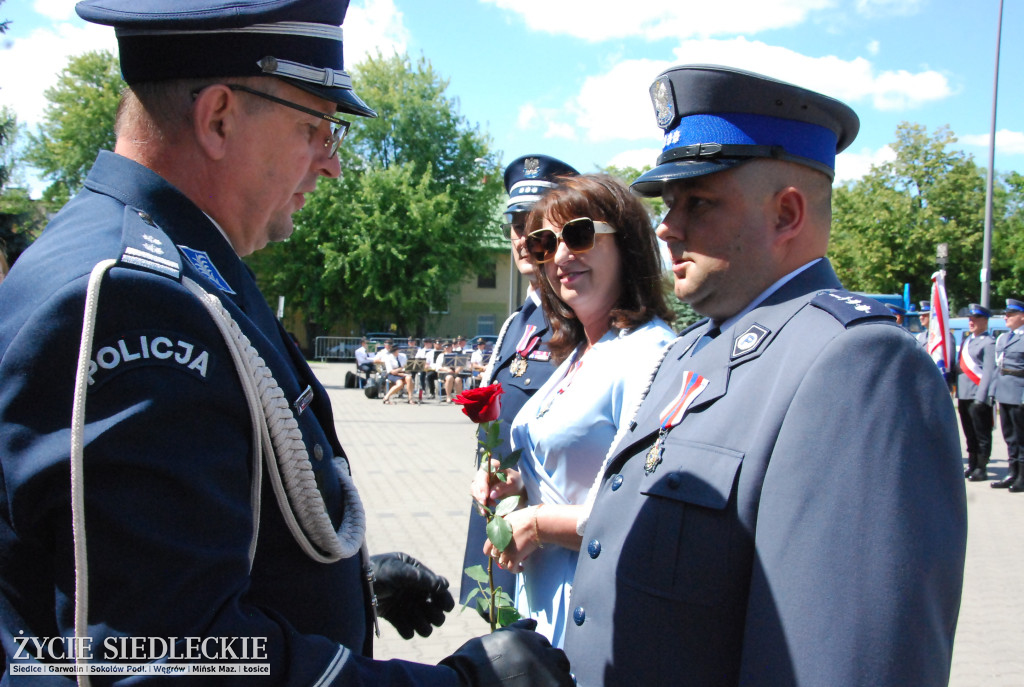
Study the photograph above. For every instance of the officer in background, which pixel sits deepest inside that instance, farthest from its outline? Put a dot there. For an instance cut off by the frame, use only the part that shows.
(975, 386)
(924, 317)
(1009, 391)
(520, 361)
(751, 529)
(209, 495)
(898, 312)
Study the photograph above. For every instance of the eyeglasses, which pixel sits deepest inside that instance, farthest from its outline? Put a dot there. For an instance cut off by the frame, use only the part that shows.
(513, 221)
(578, 235)
(338, 131)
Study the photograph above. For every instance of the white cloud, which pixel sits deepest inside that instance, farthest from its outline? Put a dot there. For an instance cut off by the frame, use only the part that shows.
(879, 8)
(638, 158)
(58, 10)
(371, 26)
(598, 20)
(528, 114)
(560, 130)
(852, 165)
(1007, 142)
(40, 57)
(873, 48)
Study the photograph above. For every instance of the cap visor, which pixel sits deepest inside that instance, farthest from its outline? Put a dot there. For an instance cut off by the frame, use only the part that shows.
(520, 207)
(650, 183)
(348, 102)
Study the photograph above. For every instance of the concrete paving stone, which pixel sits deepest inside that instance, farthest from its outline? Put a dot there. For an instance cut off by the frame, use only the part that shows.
(413, 464)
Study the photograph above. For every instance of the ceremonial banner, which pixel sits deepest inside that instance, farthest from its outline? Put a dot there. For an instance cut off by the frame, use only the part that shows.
(940, 340)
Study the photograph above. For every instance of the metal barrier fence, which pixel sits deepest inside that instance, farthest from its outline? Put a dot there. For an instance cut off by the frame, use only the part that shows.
(335, 347)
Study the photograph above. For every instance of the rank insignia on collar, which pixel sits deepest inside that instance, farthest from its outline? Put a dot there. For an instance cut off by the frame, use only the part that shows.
(748, 341)
(200, 259)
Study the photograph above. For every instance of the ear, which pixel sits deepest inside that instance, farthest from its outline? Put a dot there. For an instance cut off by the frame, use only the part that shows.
(214, 120)
(790, 214)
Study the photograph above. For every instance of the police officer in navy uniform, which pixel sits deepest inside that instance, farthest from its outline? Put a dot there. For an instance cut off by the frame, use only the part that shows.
(1009, 390)
(899, 312)
(521, 361)
(924, 317)
(209, 498)
(751, 529)
(975, 387)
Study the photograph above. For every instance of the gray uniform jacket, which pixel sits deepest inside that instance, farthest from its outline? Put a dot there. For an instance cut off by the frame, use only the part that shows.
(1009, 383)
(983, 349)
(781, 540)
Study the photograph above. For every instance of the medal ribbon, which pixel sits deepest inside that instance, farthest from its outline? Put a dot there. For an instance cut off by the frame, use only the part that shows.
(528, 341)
(693, 385)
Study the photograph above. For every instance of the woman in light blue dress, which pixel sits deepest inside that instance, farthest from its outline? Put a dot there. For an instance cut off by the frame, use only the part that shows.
(600, 285)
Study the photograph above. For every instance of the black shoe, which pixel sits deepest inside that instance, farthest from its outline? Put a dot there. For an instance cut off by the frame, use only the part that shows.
(978, 475)
(1017, 486)
(1004, 483)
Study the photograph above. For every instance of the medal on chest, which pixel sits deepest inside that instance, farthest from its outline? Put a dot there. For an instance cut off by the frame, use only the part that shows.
(672, 414)
(526, 344)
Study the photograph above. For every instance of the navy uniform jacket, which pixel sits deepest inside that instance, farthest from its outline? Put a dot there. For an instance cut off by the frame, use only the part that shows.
(517, 391)
(981, 348)
(1009, 384)
(168, 450)
(779, 542)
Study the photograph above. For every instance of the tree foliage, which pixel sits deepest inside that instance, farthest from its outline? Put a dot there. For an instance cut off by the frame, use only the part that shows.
(77, 124)
(887, 225)
(409, 219)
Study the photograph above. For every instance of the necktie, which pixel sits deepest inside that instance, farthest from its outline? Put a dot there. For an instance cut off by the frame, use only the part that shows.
(704, 340)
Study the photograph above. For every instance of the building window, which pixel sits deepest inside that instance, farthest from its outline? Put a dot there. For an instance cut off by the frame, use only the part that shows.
(439, 308)
(488, 279)
(485, 324)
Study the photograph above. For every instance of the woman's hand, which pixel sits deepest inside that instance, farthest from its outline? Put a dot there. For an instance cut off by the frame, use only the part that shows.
(490, 492)
(524, 540)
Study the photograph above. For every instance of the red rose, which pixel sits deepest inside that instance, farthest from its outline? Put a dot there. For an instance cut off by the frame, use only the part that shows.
(483, 404)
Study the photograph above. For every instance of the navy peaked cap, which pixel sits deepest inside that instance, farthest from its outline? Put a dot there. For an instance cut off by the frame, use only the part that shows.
(926, 306)
(1014, 304)
(299, 41)
(896, 310)
(978, 310)
(529, 177)
(716, 117)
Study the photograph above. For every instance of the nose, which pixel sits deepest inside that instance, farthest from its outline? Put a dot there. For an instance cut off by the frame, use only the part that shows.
(329, 167)
(671, 227)
(562, 253)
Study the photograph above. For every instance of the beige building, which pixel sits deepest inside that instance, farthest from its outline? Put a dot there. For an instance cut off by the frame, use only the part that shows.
(482, 303)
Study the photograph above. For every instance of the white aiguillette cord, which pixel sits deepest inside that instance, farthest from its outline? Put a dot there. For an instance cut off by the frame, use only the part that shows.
(276, 438)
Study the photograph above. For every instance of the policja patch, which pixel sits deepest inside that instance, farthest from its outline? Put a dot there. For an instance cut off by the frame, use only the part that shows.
(748, 341)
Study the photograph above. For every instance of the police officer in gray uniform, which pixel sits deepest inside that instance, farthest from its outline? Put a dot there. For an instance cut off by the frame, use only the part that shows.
(751, 529)
(975, 387)
(1010, 392)
(210, 512)
(924, 317)
(521, 361)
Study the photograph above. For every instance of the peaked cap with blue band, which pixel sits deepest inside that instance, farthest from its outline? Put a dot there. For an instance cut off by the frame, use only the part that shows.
(716, 117)
(978, 310)
(529, 177)
(1014, 304)
(299, 41)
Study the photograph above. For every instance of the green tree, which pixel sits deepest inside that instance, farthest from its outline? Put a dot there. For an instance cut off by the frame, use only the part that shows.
(1008, 243)
(77, 124)
(408, 220)
(886, 226)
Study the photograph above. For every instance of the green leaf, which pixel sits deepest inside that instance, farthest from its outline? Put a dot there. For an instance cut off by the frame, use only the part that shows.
(501, 476)
(507, 615)
(477, 573)
(501, 598)
(499, 532)
(507, 505)
(481, 603)
(511, 460)
(470, 597)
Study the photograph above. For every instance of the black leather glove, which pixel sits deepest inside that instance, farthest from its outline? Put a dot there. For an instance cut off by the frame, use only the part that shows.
(409, 595)
(514, 656)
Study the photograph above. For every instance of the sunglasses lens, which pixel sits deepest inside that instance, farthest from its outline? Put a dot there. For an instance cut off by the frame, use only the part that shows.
(578, 234)
(542, 245)
(506, 230)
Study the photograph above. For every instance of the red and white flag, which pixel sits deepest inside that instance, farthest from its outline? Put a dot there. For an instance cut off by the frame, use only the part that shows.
(940, 340)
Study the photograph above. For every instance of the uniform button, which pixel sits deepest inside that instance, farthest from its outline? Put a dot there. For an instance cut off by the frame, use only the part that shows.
(616, 482)
(318, 452)
(144, 216)
(594, 548)
(526, 381)
(674, 480)
(579, 615)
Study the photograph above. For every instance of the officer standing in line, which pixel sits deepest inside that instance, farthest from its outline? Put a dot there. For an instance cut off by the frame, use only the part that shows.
(209, 496)
(520, 361)
(751, 529)
(924, 317)
(1009, 392)
(975, 386)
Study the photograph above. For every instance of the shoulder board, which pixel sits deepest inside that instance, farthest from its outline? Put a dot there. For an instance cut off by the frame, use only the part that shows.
(145, 246)
(699, 323)
(851, 308)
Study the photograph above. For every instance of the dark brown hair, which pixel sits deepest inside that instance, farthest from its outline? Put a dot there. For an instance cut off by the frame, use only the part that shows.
(641, 297)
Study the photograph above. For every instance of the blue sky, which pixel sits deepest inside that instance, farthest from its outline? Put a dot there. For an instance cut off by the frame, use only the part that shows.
(570, 77)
